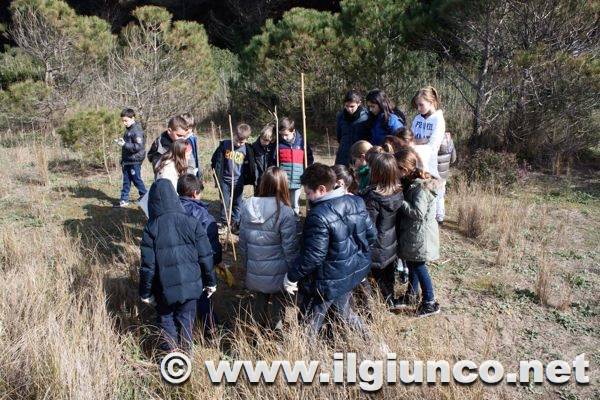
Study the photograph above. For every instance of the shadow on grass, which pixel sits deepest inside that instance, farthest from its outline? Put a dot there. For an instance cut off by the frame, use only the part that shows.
(75, 168)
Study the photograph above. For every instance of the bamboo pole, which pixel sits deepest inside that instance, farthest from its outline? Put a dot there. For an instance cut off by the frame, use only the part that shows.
(276, 135)
(274, 114)
(229, 238)
(232, 155)
(304, 120)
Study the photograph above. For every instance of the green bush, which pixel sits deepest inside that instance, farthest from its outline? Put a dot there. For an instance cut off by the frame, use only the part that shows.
(16, 66)
(91, 132)
(22, 104)
(492, 168)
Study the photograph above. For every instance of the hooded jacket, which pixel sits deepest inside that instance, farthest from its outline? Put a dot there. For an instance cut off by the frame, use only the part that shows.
(336, 246)
(268, 243)
(350, 129)
(199, 210)
(176, 257)
(383, 210)
(418, 232)
(134, 149)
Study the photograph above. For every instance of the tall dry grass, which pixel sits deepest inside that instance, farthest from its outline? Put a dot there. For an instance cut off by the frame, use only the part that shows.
(59, 339)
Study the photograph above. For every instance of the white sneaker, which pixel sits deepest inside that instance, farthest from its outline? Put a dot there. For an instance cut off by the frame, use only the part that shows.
(122, 203)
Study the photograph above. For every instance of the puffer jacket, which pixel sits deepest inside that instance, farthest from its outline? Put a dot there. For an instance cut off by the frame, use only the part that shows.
(176, 257)
(446, 156)
(268, 243)
(199, 210)
(163, 143)
(336, 246)
(134, 149)
(350, 129)
(418, 232)
(383, 210)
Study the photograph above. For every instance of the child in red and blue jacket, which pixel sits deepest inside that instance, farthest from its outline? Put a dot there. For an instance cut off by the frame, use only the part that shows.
(291, 158)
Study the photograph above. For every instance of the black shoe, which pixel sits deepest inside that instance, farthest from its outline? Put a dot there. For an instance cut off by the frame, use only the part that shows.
(404, 302)
(427, 309)
(235, 228)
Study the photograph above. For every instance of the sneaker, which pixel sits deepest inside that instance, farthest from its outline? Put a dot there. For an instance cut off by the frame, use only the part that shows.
(404, 302)
(427, 309)
(235, 228)
(122, 203)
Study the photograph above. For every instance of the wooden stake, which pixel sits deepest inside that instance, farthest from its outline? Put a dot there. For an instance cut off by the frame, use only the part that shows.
(274, 114)
(304, 120)
(328, 145)
(276, 135)
(229, 238)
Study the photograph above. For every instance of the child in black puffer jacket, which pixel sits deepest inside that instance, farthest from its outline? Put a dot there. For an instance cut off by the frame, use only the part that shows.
(383, 197)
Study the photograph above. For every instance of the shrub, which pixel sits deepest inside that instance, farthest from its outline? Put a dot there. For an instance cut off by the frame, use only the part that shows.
(91, 132)
(23, 103)
(492, 168)
(16, 66)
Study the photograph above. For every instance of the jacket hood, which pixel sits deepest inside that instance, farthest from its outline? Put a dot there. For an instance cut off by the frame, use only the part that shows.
(389, 202)
(261, 209)
(357, 114)
(163, 199)
(191, 200)
(431, 184)
(339, 192)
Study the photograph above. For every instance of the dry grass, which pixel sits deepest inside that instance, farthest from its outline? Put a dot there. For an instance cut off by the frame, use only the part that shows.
(41, 157)
(72, 326)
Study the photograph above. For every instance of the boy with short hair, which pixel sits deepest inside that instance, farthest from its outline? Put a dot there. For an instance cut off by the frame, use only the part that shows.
(177, 128)
(263, 152)
(176, 265)
(291, 157)
(133, 152)
(189, 188)
(336, 253)
(234, 160)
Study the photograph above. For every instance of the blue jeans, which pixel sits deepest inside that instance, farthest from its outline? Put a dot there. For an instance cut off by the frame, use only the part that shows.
(237, 200)
(418, 275)
(132, 173)
(176, 323)
(314, 310)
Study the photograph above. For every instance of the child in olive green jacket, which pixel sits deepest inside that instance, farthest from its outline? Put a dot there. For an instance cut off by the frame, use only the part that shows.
(418, 234)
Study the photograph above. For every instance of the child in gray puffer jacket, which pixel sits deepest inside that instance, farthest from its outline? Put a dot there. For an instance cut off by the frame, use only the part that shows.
(269, 246)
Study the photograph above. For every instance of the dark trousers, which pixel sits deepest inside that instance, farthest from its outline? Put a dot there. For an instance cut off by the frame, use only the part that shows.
(314, 309)
(207, 315)
(237, 200)
(132, 173)
(176, 322)
(270, 315)
(419, 276)
(385, 279)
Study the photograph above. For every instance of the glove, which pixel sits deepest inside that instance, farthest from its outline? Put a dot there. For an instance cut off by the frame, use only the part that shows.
(151, 301)
(210, 290)
(289, 286)
(120, 142)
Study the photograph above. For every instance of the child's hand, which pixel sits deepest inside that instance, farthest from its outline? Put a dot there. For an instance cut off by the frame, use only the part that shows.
(120, 142)
(151, 301)
(289, 286)
(210, 290)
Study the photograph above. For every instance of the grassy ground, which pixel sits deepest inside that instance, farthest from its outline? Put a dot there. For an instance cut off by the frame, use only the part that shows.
(517, 280)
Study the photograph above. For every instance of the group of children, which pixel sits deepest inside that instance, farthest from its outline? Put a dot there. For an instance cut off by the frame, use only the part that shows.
(369, 216)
